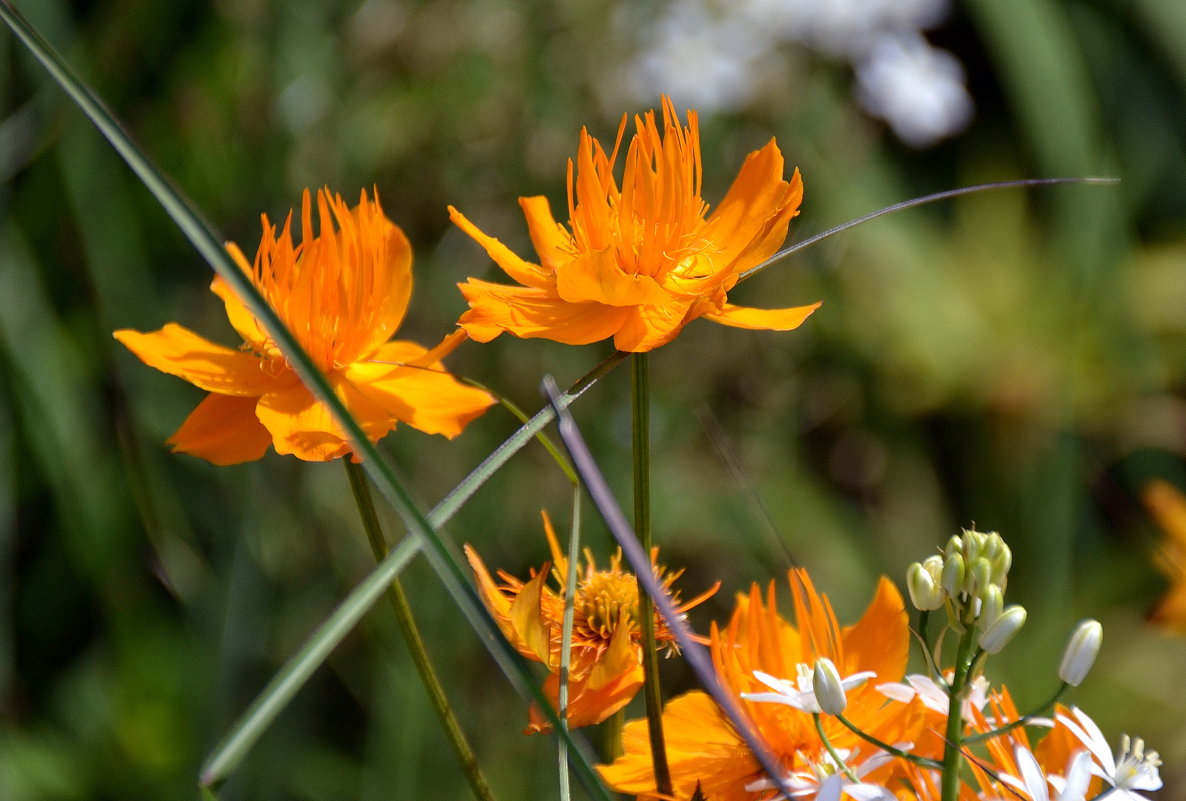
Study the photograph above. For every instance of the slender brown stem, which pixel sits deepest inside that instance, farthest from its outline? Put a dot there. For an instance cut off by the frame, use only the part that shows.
(407, 624)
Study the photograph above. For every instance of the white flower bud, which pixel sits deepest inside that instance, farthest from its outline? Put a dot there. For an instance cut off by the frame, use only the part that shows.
(921, 581)
(979, 577)
(1081, 652)
(953, 574)
(992, 605)
(1003, 629)
(829, 692)
(1001, 562)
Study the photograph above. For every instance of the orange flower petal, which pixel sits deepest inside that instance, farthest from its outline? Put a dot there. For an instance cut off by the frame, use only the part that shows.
(304, 427)
(522, 271)
(702, 747)
(553, 244)
(762, 319)
(531, 633)
(223, 429)
(648, 327)
(425, 397)
(242, 320)
(178, 351)
(597, 278)
(752, 220)
(587, 705)
(529, 312)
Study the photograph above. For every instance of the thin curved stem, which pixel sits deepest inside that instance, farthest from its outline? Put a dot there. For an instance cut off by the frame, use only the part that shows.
(407, 624)
(918, 201)
(1021, 721)
(889, 749)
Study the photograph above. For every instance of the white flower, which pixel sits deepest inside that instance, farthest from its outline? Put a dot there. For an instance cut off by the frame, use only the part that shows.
(1034, 783)
(699, 58)
(1134, 768)
(800, 694)
(826, 781)
(918, 89)
(933, 696)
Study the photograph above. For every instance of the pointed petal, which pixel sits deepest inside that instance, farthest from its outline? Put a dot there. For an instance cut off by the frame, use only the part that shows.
(530, 313)
(618, 660)
(494, 599)
(523, 271)
(242, 320)
(425, 397)
(558, 557)
(223, 430)
(880, 640)
(762, 319)
(533, 637)
(178, 351)
(752, 220)
(598, 278)
(553, 244)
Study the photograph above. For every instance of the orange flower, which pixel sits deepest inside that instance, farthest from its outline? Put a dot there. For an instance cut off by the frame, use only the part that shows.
(641, 261)
(342, 293)
(605, 669)
(1168, 507)
(703, 748)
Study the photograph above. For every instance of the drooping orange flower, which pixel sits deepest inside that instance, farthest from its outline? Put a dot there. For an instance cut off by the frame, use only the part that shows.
(703, 747)
(343, 293)
(605, 666)
(1168, 507)
(639, 261)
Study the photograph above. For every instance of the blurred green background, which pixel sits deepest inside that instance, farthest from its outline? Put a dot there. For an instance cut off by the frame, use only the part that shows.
(1013, 359)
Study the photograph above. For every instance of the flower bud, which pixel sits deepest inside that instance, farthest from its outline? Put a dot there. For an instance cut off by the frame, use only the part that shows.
(1001, 562)
(953, 574)
(954, 545)
(829, 692)
(1081, 652)
(1003, 629)
(979, 577)
(991, 606)
(925, 592)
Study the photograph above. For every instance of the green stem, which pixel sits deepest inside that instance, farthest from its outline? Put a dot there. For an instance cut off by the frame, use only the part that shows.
(611, 735)
(953, 737)
(407, 624)
(1021, 721)
(570, 591)
(641, 441)
(884, 746)
(837, 760)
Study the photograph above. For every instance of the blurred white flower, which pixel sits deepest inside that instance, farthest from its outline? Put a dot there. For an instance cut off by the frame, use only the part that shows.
(712, 54)
(919, 90)
(701, 59)
(842, 28)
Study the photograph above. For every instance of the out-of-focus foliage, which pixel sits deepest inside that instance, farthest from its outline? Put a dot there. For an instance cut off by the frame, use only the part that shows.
(1017, 359)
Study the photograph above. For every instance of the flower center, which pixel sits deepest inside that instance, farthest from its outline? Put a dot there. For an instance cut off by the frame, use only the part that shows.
(607, 599)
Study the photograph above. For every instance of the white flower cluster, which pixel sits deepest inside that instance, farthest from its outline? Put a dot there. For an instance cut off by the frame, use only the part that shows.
(709, 55)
